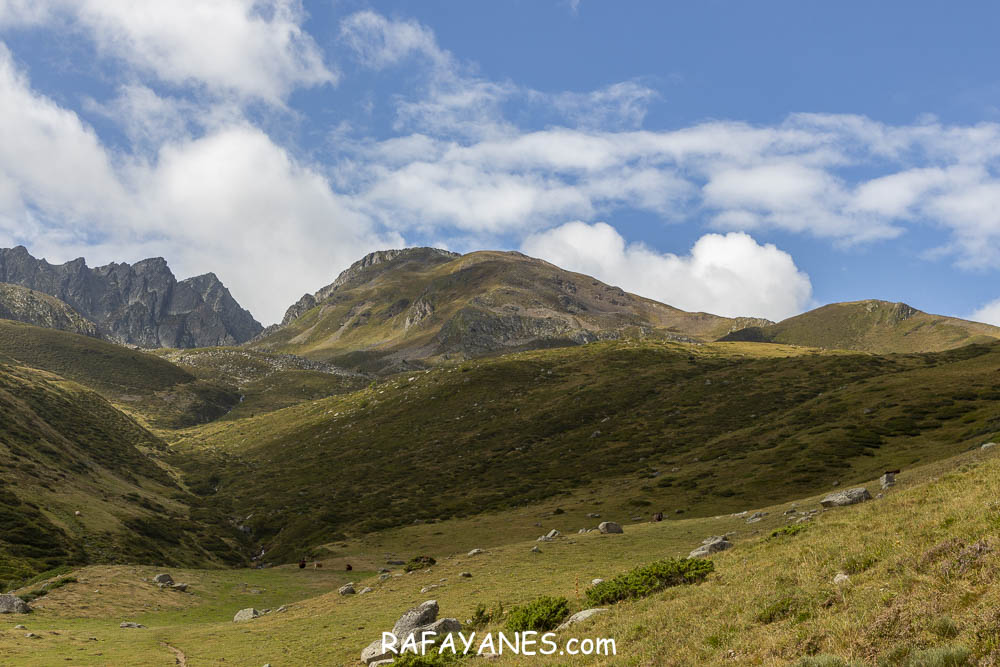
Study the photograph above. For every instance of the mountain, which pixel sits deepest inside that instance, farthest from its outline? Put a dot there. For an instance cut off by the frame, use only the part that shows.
(399, 309)
(875, 326)
(26, 305)
(140, 304)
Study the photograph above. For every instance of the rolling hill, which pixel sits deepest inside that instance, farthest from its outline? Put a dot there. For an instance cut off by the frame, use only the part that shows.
(871, 326)
(696, 428)
(26, 305)
(401, 309)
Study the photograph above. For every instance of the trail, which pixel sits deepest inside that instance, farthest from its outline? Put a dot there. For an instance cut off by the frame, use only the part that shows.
(178, 654)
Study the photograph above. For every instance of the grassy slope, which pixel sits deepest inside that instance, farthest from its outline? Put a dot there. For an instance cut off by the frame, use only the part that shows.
(146, 385)
(702, 429)
(483, 302)
(770, 601)
(872, 326)
(64, 449)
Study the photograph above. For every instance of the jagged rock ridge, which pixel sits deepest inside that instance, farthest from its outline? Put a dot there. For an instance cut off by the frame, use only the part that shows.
(140, 304)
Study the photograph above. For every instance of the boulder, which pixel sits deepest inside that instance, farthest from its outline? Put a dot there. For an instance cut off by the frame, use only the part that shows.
(594, 582)
(887, 480)
(594, 515)
(988, 445)
(419, 616)
(841, 579)
(11, 604)
(756, 516)
(164, 579)
(846, 497)
(417, 619)
(179, 587)
(366, 589)
(552, 534)
(609, 527)
(535, 550)
(580, 616)
(476, 552)
(466, 575)
(130, 624)
(347, 589)
(710, 546)
(245, 615)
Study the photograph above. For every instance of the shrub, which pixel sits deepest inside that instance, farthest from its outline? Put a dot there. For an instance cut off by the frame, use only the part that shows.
(788, 531)
(860, 563)
(432, 658)
(643, 581)
(418, 563)
(822, 661)
(944, 627)
(943, 656)
(483, 616)
(541, 615)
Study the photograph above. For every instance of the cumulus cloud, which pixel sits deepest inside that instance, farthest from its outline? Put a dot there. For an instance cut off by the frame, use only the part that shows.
(251, 48)
(728, 275)
(231, 201)
(989, 313)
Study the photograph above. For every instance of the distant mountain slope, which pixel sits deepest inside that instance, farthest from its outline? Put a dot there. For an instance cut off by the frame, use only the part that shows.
(141, 304)
(396, 307)
(26, 305)
(163, 393)
(80, 482)
(871, 326)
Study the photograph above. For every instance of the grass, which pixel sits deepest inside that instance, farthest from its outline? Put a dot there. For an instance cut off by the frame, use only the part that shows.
(746, 424)
(889, 615)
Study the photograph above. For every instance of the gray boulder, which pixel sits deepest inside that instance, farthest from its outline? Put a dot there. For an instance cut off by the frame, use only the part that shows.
(846, 497)
(417, 617)
(710, 546)
(609, 527)
(11, 604)
(988, 445)
(347, 589)
(887, 480)
(130, 624)
(164, 579)
(756, 516)
(580, 616)
(245, 615)
(476, 552)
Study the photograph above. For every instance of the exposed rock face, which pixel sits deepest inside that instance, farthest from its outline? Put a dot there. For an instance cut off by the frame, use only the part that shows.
(846, 497)
(579, 617)
(140, 304)
(710, 546)
(11, 604)
(26, 305)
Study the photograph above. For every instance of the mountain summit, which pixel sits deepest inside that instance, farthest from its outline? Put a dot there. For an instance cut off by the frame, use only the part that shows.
(139, 304)
(396, 307)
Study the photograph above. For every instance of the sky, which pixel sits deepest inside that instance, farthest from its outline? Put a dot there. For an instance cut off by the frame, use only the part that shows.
(739, 158)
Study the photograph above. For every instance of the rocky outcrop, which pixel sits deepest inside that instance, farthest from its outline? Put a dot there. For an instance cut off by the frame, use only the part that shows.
(21, 304)
(11, 604)
(244, 615)
(140, 304)
(416, 621)
(579, 617)
(846, 497)
(710, 546)
(609, 527)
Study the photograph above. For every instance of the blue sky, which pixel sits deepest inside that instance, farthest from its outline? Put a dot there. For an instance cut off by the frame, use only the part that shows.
(739, 158)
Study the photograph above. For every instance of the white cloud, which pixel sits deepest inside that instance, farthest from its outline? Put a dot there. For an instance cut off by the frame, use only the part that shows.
(249, 48)
(989, 313)
(232, 202)
(727, 275)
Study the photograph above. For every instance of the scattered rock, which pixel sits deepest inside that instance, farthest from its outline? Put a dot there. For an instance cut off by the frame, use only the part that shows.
(887, 480)
(608, 527)
(988, 445)
(710, 546)
(130, 624)
(366, 589)
(77, 513)
(788, 512)
(544, 538)
(756, 516)
(429, 588)
(384, 576)
(179, 587)
(841, 579)
(11, 604)
(593, 515)
(164, 578)
(466, 575)
(347, 589)
(476, 552)
(535, 550)
(846, 497)
(594, 582)
(395, 562)
(552, 534)
(20, 627)
(580, 616)
(635, 518)
(32, 635)
(245, 615)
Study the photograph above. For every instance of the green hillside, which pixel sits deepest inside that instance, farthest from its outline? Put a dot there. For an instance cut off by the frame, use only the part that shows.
(695, 429)
(871, 326)
(81, 482)
(143, 383)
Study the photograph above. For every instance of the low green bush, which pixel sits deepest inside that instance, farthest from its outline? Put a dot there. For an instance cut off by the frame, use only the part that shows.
(541, 615)
(643, 581)
(418, 563)
(942, 656)
(787, 531)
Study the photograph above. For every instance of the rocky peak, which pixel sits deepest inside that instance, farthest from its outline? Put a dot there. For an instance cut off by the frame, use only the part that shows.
(140, 304)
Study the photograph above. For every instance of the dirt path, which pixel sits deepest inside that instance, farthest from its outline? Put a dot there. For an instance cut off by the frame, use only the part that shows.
(178, 655)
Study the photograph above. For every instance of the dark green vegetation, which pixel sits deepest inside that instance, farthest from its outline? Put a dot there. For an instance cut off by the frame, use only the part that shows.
(871, 326)
(706, 429)
(47, 588)
(79, 482)
(648, 579)
(397, 310)
(541, 615)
